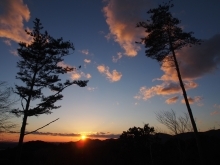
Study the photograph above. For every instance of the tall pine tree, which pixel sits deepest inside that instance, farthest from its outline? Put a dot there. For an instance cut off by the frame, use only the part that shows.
(39, 70)
(165, 37)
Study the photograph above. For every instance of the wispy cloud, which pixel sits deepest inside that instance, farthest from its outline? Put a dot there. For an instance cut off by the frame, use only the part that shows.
(92, 135)
(113, 77)
(87, 61)
(216, 106)
(101, 32)
(15, 12)
(50, 133)
(85, 51)
(166, 88)
(103, 135)
(196, 99)
(172, 100)
(122, 17)
(7, 42)
(88, 76)
(215, 113)
(194, 62)
(118, 57)
(109, 36)
(91, 88)
(75, 74)
(14, 52)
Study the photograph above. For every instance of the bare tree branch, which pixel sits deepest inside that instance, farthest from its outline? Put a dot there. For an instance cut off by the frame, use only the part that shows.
(175, 124)
(41, 127)
(5, 106)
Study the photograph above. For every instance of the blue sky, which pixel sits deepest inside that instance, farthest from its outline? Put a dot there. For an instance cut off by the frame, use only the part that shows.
(125, 87)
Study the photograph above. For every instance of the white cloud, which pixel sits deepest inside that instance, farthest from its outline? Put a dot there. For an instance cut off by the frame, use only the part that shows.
(15, 12)
(101, 32)
(109, 36)
(62, 64)
(14, 52)
(85, 51)
(122, 17)
(87, 61)
(113, 77)
(118, 57)
(91, 88)
(216, 106)
(196, 99)
(88, 76)
(214, 113)
(166, 88)
(172, 100)
(7, 42)
(75, 74)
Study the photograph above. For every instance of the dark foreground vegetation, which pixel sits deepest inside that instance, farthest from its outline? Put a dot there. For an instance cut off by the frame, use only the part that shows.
(158, 149)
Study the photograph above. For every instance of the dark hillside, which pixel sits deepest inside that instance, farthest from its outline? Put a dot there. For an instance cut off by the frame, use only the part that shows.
(165, 149)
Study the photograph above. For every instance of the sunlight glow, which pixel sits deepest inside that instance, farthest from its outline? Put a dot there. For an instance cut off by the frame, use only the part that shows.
(83, 137)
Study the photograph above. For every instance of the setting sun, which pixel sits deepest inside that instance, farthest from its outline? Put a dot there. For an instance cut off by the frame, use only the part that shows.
(83, 137)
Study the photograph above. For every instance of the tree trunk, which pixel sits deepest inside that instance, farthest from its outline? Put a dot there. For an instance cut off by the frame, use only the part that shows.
(188, 108)
(24, 123)
(22, 132)
(21, 138)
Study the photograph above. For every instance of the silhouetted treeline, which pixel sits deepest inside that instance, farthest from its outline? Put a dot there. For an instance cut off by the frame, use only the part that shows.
(158, 149)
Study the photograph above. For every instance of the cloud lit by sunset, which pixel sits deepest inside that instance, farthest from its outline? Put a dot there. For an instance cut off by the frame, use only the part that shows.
(113, 77)
(11, 20)
(122, 16)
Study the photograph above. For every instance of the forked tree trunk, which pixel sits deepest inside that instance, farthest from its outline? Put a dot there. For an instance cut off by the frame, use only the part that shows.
(24, 122)
(188, 107)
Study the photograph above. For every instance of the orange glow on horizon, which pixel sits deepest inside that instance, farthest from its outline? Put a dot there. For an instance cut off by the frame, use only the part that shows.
(13, 137)
(9, 137)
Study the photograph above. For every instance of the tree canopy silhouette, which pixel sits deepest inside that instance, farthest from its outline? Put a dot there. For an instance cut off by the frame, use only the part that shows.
(137, 135)
(139, 141)
(165, 37)
(39, 69)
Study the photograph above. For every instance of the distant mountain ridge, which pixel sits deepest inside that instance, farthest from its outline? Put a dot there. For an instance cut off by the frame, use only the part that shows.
(188, 135)
(165, 149)
(163, 136)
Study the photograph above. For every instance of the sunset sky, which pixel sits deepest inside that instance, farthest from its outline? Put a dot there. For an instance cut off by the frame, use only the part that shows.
(125, 87)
